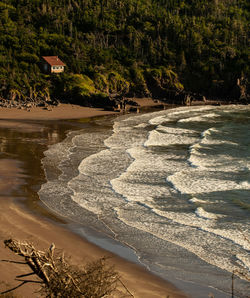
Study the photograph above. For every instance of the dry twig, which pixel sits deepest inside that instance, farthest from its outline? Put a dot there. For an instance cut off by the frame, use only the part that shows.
(59, 278)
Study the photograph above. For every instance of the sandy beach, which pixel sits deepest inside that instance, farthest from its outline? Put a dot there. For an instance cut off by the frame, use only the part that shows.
(65, 111)
(23, 218)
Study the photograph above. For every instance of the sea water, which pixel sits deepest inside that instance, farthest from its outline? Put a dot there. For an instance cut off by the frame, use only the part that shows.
(172, 185)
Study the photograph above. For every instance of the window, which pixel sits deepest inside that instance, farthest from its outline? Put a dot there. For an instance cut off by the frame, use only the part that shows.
(57, 67)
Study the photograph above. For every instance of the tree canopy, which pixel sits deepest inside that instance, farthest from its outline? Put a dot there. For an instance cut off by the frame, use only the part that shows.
(122, 46)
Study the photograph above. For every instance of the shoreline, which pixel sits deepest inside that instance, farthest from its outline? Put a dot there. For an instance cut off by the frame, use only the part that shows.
(23, 222)
(72, 111)
(61, 112)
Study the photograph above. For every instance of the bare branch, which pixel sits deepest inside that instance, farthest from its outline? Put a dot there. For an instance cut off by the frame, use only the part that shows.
(59, 278)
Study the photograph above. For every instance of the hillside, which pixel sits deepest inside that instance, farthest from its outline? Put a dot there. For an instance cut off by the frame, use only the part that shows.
(133, 48)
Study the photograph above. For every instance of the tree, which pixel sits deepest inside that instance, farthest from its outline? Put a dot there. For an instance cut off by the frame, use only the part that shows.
(58, 278)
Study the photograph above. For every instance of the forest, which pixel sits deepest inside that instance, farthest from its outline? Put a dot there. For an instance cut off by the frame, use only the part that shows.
(129, 48)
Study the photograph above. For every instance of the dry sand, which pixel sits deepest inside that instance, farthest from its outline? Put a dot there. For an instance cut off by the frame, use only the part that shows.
(18, 222)
(63, 111)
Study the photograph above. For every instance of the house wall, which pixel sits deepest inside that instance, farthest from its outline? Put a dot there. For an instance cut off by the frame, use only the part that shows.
(57, 69)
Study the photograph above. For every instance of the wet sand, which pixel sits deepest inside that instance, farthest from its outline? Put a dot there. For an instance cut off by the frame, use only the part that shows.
(23, 217)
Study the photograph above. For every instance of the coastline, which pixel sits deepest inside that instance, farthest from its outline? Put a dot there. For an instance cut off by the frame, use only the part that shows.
(23, 223)
(63, 111)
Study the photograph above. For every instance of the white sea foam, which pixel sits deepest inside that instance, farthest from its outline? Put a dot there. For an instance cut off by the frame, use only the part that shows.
(126, 137)
(138, 192)
(133, 185)
(208, 222)
(221, 162)
(245, 184)
(175, 131)
(166, 116)
(143, 181)
(213, 136)
(185, 235)
(244, 260)
(207, 215)
(195, 181)
(209, 131)
(180, 112)
(195, 200)
(146, 167)
(142, 125)
(146, 160)
(159, 120)
(202, 118)
(198, 113)
(213, 153)
(170, 136)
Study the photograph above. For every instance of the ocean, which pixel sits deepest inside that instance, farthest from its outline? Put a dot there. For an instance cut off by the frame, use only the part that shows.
(173, 186)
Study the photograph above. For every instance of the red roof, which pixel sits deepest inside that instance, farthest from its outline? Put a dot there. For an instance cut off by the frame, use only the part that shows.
(53, 60)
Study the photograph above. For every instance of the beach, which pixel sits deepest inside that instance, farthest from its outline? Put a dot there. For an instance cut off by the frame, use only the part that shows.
(23, 217)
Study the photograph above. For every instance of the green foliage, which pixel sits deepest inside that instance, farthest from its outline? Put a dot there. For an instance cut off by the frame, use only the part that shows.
(139, 85)
(80, 84)
(117, 44)
(117, 84)
(101, 82)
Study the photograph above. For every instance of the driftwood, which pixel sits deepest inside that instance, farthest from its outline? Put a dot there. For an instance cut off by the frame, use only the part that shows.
(60, 279)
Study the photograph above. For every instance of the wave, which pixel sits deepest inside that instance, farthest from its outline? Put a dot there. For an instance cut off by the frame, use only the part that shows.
(218, 150)
(203, 118)
(244, 261)
(165, 136)
(139, 182)
(177, 114)
(182, 231)
(195, 200)
(196, 181)
(207, 215)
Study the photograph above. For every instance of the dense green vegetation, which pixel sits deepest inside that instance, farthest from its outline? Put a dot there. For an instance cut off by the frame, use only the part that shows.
(140, 47)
